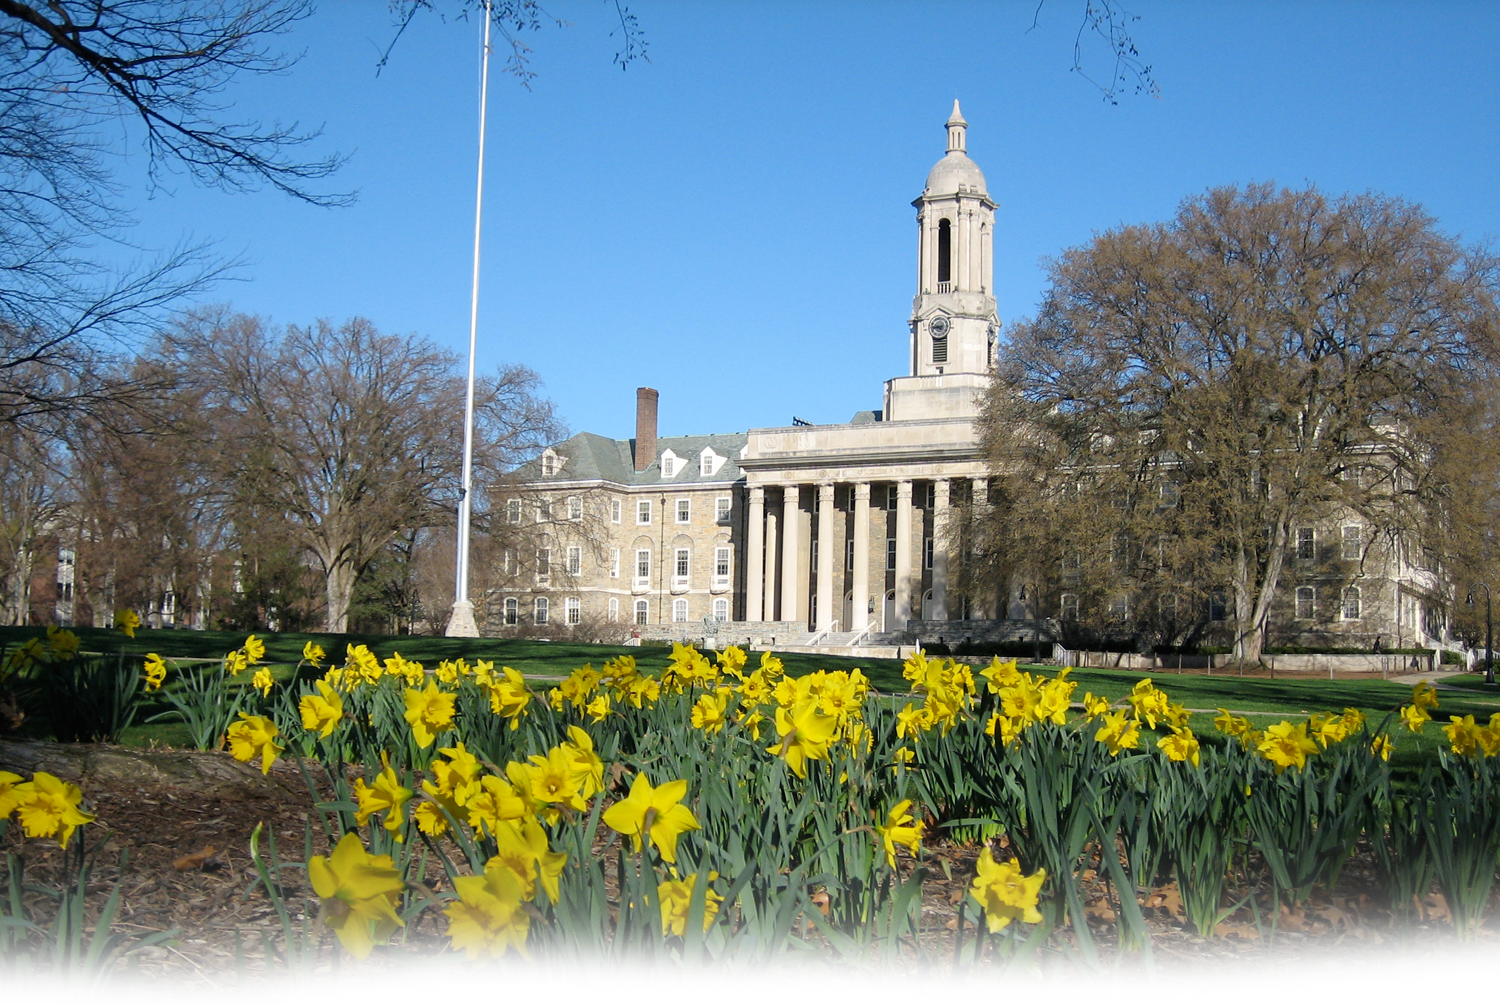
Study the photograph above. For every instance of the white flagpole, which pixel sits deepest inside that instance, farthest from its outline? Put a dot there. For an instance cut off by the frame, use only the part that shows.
(461, 623)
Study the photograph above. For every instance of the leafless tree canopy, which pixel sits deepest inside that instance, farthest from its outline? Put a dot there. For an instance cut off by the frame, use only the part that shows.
(1192, 391)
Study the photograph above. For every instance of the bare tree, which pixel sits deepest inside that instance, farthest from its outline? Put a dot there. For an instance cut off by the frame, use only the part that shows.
(1192, 391)
(34, 492)
(349, 435)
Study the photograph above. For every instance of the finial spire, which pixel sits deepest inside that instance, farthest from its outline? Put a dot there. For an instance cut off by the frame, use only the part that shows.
(956, 128)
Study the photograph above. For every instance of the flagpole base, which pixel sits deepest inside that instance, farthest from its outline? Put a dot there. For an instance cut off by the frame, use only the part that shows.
(461, 621)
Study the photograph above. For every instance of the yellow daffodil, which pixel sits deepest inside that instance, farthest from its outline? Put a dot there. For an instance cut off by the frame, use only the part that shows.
(321, 712)
(62, 643)
(587, 767)
(262, 681)
(676, 897)
(154, 672)
(46, 806)
(360, 665)
(429, 712)
(254, 649)
(901, 827)
(1147, 702)
(359, 891)
(1327, 729)
(709, 713)
(236, 662)
(495, 801)
(598, 708)
(1118, 732)
(521, 846)
(1424, 696)
(489, 917)
(1381, 746)
(254, 736)
(1354, 720)
(10, 792)
(732, 660)
(1488, 736)
(655, 814)
(313, 654)
(805, 733)
(1005, 893)
(1463, 735)
(1093, 706)
(1000, 675)
(1414, 716)
(126, 621)
(386, 796)
(554, 782)
(509, 696)
(1180, 745)
(1287, 745)
(903, 755)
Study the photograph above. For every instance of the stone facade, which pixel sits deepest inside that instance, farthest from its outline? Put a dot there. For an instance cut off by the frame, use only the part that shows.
(844, 529)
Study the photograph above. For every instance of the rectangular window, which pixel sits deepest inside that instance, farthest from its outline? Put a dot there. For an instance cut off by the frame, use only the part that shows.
(1166, 606)
(616, 510)
(642, 611)
(575, 507)
(573, 610)
(643, 566)
(1119, 608)
(849, 555)
(543, 566)
(1069, 611)
(684, 511)
(721, 565)
(892, 497)
(813, 549)
(721, 610)
(549, 465)
(679, 611)
(722, 505)
(575, 561)
(1353, 543)
(890, 554)
(1306, 544)
(927, 553)
(643, 512)
(929, 495)
(513, 510)
(680, 572)
(614, 609)
(512, 611)
(1218, 606)
(1351, 603)
(540, 610)
(510, 562)
(543, 510)
(1306, 597)
(614, 563)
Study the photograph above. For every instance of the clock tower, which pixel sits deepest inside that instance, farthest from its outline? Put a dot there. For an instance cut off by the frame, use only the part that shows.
(953, 319)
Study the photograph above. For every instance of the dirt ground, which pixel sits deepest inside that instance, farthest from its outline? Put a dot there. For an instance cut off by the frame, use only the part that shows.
(184, 820)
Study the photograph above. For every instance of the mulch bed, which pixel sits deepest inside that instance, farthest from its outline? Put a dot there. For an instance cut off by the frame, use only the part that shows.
(185, 819)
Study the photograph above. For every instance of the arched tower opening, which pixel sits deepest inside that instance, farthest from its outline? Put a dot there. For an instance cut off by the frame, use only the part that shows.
(945, 251)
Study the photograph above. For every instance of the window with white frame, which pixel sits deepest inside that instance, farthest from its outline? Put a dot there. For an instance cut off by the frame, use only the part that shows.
(513, 510)
(614, 609)
(849, 555)
(1119, 608)
(642, 612)
(510, 561)
(680, 565)
(929, 495)
(1306, 598)
(543, 565)
(684, 511)
(721, 566)
(1218, 606)
(1351, 603)
(643, 512)
(575, 561)
(539, 610)
(1353, 543)
(1069, 607)
(679, 611)
(643, 566)
(616, 510)
(722, 506)
(721, 610)
(669, 466)
(890, 553)
(572, 610)
(543, 510)
(614, 563)
(927, 553)
(706, 465)
(549, 464)
(892, 497)
(512, 611)
(575, 507)
(1307, 544)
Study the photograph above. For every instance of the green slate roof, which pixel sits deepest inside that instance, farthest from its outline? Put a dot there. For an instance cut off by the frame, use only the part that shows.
(587, 457)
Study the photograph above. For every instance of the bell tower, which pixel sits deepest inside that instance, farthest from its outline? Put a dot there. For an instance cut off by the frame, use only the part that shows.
(953, 318)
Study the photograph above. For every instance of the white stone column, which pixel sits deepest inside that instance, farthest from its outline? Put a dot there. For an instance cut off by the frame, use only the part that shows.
(861, 572)
(791, 575)
(826, 606)
(940, 512)
(755, 554)
(982, 605)
(768, 608)
(903, 556)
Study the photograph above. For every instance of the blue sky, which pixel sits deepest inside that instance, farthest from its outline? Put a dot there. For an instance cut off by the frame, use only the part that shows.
(731, 222)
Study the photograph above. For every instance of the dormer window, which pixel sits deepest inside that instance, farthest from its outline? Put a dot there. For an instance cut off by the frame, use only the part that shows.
(709, 462)
(671, 464)
(551, 463)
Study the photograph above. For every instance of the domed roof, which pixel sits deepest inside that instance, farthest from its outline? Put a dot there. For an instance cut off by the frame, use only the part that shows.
(954, 170)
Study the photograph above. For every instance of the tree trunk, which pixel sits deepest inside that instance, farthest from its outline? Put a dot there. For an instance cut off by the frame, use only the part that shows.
(340, 592)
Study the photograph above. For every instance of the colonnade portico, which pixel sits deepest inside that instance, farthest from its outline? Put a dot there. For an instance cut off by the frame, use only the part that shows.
(792, 578)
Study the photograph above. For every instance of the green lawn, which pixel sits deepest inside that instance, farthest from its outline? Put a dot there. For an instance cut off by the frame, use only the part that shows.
(1263, 700)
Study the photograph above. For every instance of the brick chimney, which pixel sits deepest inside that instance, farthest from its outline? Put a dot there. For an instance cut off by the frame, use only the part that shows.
(645, 427)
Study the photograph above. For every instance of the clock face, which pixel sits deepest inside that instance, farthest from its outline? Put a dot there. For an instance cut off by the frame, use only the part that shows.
(938, 326)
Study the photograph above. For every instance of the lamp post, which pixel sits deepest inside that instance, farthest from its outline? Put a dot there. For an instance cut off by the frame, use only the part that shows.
(1489, 632)
(461, 623)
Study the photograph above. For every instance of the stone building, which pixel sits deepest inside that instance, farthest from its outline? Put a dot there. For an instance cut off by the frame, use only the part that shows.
(837, 535)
